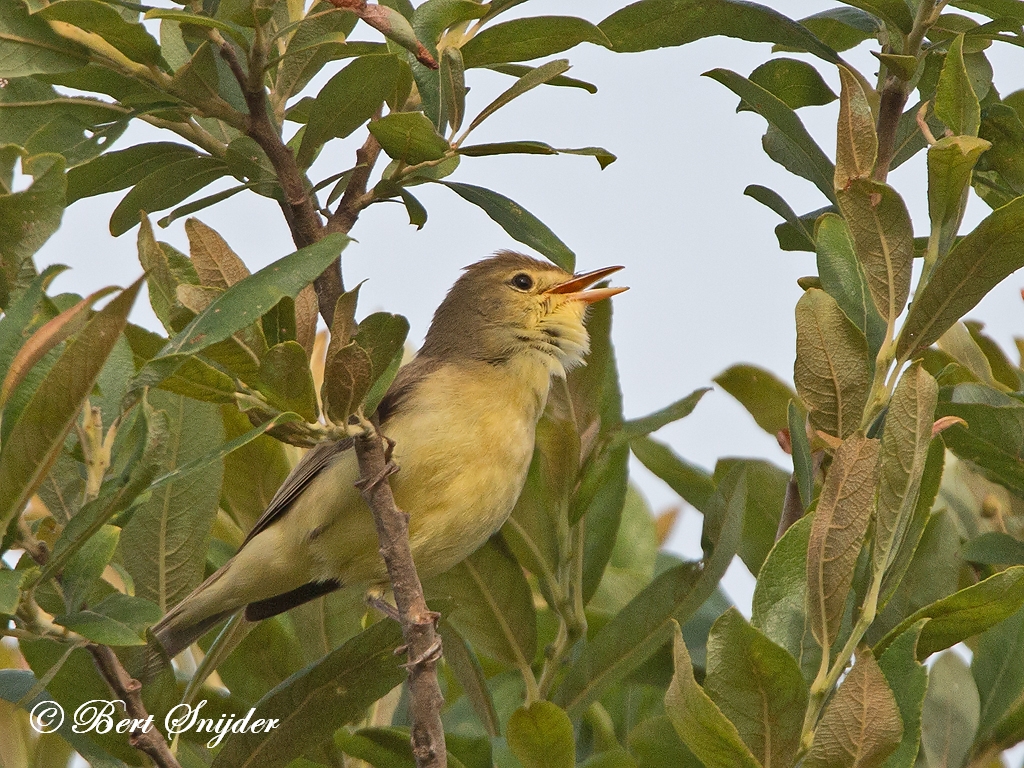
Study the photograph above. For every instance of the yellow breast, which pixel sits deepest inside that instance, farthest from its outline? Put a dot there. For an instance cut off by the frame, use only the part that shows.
(463, 444)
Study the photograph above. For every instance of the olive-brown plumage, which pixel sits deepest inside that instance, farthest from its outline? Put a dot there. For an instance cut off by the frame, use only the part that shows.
(462, 415)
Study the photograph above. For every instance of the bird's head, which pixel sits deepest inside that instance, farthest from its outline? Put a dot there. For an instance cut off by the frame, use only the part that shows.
(510, 305)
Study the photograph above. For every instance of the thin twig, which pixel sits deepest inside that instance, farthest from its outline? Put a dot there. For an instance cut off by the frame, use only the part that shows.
(123, 685)
(422, 641)
(129, 690)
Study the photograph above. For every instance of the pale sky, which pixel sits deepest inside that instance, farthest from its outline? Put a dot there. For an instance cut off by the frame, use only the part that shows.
(709, 285)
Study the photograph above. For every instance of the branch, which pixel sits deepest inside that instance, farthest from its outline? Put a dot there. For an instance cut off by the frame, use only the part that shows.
(129, 690)
(422, 643)
(123, 685)
(894, 90)
(303, 219)
(391, 24)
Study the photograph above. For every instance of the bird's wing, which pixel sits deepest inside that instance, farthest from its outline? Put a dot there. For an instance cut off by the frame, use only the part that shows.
(311, 465)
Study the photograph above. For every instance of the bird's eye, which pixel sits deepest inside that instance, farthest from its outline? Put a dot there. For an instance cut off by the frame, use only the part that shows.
(522, 281)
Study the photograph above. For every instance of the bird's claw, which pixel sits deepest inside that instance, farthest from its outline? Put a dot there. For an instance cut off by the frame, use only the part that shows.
(430, 656)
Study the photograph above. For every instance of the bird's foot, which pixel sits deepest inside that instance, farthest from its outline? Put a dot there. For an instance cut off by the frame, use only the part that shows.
(429, 656)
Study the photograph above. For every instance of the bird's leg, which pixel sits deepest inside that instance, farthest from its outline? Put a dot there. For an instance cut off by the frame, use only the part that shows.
(376, 600)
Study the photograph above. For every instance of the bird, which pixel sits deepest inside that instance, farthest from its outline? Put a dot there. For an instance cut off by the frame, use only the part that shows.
(462, 417)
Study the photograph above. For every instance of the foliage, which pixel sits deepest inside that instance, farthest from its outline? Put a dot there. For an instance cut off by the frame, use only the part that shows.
(133, 462)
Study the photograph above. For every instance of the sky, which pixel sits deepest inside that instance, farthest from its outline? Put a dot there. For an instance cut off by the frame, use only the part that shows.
(709, 286)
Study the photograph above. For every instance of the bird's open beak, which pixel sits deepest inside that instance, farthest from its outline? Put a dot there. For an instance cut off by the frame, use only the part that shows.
(576, 288)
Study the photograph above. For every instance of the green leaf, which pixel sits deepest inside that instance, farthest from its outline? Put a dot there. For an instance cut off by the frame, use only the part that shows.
(765, 397)
(842, 28)
(950, 163)
(530, 80)
(975, 265)
(316, 40)
(10, 584)
(131, 39)
(530, 38)
(757, 685)
(932, 574)
(465, 665)
(603, 156)
(994, 548)
(243, 304)
(697, 719)
(164, 542)
(1001, 125)
(655, 744)
(165, 187)
(38, 435)
(780, 598)
(796, 82)
(856, 142)
(453, 85)
(16, 684)
(253, 472)
(27, 219)
(650, 24)
(631, 563)
(893, 12)
(798, 152)
(236, 33)
(100, 628)
(40, 119)
(998, 676)
(994, 440)
(493, 605)
(541, 736)
(645, 624)
(348, 100)
(166, 269)
(837, 534)
(348, 376)
(382, 336)
(123, 168)
(678, 410)
(803, 459)
(766, 492)
(956, 103)
(409, 137)
(149, 441)
(908, 680)
(286, 380)
(965, 613)
(519, 223)
(861, 725)
(801, 239)
(314, 702)
(86, 566)
(28, 46)
(832, 370)
(692, 483)
(884, 240)
(949, 720)
(843, 279)
(905, 442)
(518, 70)
(248, 162)
(432, 18)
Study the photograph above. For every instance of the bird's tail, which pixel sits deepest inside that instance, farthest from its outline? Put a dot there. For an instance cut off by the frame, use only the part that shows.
(189, 620)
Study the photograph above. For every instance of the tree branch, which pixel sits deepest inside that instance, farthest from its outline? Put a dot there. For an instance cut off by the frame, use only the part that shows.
(894, 91)
(123, 685)
(129, 690)
(422, 642)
